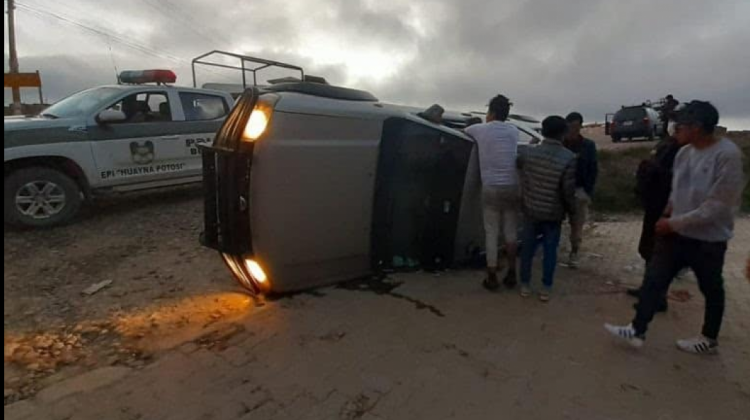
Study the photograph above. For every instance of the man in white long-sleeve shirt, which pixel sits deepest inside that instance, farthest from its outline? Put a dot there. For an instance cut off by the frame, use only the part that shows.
(694, 232)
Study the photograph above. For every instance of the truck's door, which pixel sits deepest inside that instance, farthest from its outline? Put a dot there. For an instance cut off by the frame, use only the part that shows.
(608, 118)
(146, 147)
(202, 114)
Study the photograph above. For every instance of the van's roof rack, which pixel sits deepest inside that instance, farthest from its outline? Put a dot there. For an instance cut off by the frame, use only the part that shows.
(246, 65)
(304, 84)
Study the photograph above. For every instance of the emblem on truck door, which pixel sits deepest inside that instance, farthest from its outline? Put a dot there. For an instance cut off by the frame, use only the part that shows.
(142, 154)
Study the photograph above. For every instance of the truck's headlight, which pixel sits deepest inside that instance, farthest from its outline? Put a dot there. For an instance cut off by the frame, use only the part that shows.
(256, 124)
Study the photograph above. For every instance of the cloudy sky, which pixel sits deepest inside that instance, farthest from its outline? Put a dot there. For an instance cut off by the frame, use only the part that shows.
(548, 56)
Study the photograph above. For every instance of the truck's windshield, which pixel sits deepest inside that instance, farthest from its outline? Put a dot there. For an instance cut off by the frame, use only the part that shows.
(81, 103)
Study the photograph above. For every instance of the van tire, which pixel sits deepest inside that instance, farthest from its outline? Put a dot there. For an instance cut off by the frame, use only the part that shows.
(60, 197)
(616, 138)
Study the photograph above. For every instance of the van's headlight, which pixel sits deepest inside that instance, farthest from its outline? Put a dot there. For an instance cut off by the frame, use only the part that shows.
(256, 125)
(256, 272)
(248, 273)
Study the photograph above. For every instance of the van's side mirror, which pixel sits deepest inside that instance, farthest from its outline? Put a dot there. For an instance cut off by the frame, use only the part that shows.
(109, 116)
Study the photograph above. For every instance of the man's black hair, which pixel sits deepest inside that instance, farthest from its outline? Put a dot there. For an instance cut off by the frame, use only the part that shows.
(500, 107)
(573, 117)
(699, 113)
(554, 127)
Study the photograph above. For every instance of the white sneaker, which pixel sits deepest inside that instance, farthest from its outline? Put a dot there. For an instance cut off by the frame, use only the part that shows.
(698, 345)
(525, 290)
(625, 333)
(573, 260)
(545, 294)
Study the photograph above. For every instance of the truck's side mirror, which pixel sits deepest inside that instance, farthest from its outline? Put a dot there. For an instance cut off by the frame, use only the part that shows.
(109, 116)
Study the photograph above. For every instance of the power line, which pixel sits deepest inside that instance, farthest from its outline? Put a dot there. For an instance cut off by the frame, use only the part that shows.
(101, 32)
(173, 12)
(110, 36)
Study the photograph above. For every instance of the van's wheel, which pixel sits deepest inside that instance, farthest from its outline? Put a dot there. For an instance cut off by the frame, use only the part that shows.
(652, 135)
(616, 139)
(41, 197)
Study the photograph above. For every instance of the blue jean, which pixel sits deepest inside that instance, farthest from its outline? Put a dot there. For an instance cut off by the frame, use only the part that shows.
(548, 235)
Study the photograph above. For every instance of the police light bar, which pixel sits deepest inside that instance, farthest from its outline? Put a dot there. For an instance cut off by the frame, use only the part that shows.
(148, 76)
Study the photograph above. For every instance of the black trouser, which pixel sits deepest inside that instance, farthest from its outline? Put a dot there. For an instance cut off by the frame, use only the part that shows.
(672, 254)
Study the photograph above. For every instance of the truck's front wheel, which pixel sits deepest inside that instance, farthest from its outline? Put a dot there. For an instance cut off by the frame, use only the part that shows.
(40, 197)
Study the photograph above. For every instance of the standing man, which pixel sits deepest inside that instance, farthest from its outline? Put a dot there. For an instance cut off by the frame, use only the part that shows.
(497, 145)
(653, 187)
(587, 169)
(696, 227)
(548, 179)
(669, 109)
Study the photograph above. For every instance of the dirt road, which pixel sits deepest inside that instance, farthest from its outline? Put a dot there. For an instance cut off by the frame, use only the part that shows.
(163, 285)
(170, 337)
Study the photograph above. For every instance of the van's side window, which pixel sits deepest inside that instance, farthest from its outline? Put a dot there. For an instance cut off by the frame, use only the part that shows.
(202, 107)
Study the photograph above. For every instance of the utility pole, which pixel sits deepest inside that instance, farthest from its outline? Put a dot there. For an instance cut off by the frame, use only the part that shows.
(14, 69)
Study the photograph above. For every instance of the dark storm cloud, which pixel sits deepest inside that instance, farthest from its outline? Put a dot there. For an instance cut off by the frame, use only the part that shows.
(549, 56)
(553, 56)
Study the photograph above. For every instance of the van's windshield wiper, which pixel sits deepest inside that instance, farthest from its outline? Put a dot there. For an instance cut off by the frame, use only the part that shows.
(50, 116)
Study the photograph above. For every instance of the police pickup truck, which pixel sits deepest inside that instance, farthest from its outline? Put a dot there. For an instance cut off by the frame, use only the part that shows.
(140, 134)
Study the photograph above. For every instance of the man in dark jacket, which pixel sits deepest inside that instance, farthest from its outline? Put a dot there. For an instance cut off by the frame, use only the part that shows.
(653, 186)
(548, 184)
(587, 169)
(669, 109)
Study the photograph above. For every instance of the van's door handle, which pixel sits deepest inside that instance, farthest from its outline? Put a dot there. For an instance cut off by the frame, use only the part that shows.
(169, 138)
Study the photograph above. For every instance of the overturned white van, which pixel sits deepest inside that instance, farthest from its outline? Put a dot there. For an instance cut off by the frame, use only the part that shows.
(309, 184)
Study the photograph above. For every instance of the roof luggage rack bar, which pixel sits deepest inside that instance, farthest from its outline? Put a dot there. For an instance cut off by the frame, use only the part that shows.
(244, 60)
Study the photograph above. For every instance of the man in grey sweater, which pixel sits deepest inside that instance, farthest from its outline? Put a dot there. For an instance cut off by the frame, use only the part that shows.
(548, 188)
(696, 227)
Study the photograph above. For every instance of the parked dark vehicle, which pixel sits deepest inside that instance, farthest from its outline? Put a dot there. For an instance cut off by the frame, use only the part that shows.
(631, 122)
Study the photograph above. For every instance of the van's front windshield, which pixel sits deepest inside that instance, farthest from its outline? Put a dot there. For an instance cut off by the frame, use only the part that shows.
(81, 103)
